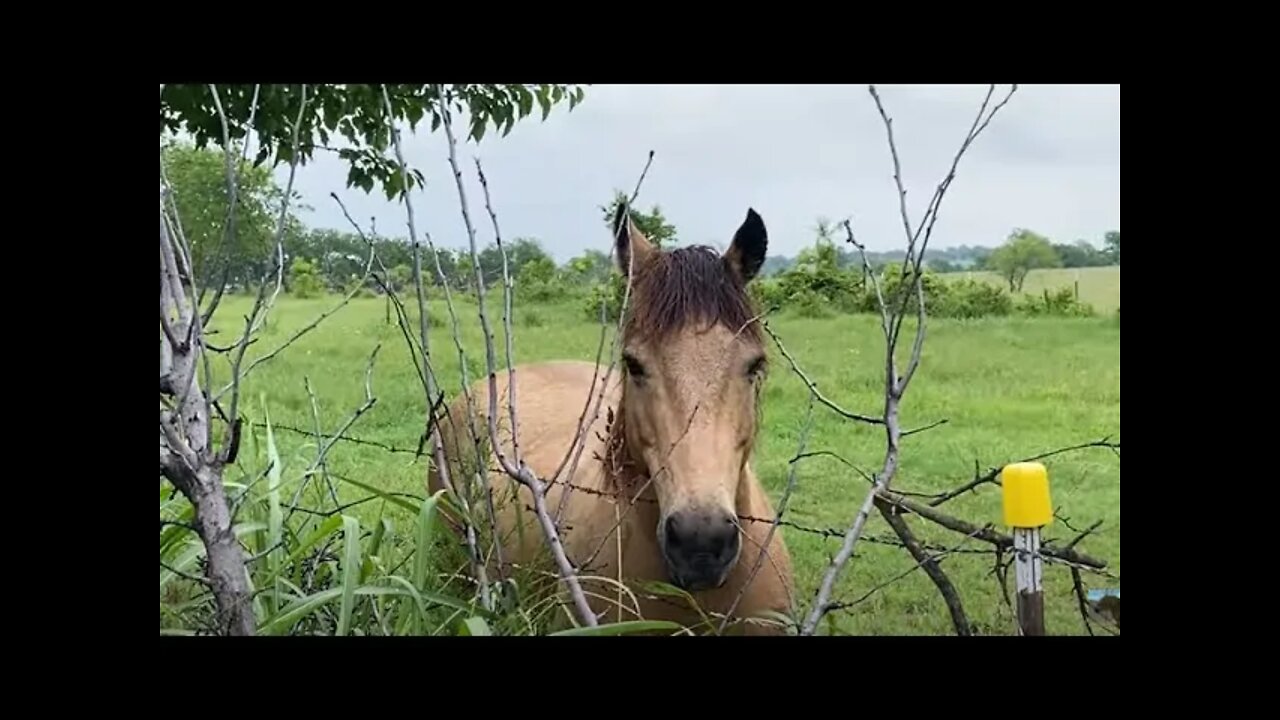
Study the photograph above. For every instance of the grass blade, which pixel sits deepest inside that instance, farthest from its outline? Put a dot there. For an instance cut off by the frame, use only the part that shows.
(350, 572)
(426, 534)
(385, 496)
(621, 628)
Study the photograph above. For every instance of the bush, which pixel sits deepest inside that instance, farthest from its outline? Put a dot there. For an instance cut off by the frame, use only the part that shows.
(1058, 303)
(304, 281)
(532, 319)
(810, 304)
(969, 298)
(361, 290)
(960, 299)
(541, 291)
(610, 293)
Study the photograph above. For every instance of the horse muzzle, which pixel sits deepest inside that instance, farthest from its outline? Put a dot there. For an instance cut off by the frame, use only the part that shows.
(700, 548)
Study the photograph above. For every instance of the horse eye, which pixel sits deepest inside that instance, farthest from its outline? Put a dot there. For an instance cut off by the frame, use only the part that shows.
(634, 368)
(756, 367)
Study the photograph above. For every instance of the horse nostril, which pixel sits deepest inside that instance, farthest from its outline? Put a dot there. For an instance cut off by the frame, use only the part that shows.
(724, 540)
(673, 532)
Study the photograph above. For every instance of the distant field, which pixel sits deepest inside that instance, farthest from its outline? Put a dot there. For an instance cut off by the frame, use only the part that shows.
(1099, 286)
(1010, 388)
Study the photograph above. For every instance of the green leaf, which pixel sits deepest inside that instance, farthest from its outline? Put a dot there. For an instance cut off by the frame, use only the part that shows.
(525, 99)
(657, 587)
(350, 572)
(426, 533)
(621, 628)
(474, 627)
(375, 543)
(544, 101)
(393, 499)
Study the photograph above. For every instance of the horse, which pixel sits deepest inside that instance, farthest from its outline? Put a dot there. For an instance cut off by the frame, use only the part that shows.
(663, 489)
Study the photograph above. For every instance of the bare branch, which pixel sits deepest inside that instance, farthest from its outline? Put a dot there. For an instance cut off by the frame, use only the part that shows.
(413, 237)
(813, 387)
(931, 568)
(1048, 552)
(520, 473)
(507, 292)
(580, 442)
(433, 397)
(895, 385)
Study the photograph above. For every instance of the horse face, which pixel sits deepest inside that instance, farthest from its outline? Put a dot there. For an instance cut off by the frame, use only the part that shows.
(694, 362)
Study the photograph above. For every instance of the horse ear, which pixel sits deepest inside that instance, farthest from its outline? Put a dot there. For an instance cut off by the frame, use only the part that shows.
(629, 240)
(750, 243)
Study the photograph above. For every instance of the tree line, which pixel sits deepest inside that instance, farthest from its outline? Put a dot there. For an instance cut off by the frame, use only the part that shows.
(321, 260)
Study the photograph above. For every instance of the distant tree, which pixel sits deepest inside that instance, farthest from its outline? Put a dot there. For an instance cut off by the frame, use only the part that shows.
(198, 178)
(537, 270)
(519, 252)
(942, 265)
(589, 268)
(653, 224)
(613, 289)
(304, 281)
(1080, 254)
(1112, 246)
(1021, 253)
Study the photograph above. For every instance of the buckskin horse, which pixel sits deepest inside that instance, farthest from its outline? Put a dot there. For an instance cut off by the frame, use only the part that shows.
(663, 489)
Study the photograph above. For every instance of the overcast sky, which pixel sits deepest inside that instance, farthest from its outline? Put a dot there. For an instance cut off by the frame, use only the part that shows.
(1050, 161)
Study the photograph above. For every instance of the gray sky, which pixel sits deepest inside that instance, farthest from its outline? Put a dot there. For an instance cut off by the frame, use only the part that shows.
(1050, 161)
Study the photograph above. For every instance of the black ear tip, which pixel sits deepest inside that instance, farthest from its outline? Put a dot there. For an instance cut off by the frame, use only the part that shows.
(619, 218)
(753, 221)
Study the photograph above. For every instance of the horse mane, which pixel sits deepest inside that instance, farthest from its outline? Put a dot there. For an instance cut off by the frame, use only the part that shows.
(688, 284)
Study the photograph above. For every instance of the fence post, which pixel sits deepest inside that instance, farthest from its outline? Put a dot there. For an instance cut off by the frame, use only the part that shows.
(1027, 508)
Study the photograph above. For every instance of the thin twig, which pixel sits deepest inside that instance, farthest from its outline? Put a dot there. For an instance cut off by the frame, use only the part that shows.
(521, 473)
(927, 559)
(992, 476)
(813, 387)
(574, 454)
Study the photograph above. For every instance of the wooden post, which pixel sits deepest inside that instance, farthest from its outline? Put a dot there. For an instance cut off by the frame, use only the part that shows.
(1027, 508)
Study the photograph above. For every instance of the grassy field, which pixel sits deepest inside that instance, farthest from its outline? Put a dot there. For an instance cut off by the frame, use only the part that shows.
(1009, 387)
(1099, 286)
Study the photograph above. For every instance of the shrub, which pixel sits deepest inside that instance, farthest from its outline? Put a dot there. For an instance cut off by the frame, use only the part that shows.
(1058, 303)
(610, 293)
(304, 281)
(361, 290)
(961, 299)
(969, 298)
(810, 304)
